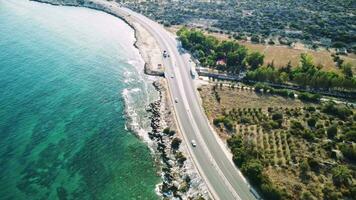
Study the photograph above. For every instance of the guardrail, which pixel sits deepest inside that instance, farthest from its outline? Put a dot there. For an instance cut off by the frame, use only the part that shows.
(230, 77)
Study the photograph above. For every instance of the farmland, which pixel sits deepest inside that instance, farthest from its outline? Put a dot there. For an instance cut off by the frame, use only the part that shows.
(300, 146)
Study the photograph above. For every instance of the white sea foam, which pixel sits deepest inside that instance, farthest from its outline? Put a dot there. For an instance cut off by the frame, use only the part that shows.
(137, 96)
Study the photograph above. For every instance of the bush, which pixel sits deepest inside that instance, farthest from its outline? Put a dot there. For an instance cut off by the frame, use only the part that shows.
(341, 175)
(245, 120)
(180, 158)
(351, 135)
(308, 97)
(349, 151)
(168, 131)
(309, 135)
(341, 111)
(314, 164)
(296, 125)
(175, 143)
(311, 122)
(330, 193)
(274, 125)
(227, 121)
(307, 196)
(332, 131)
(277, 116)
(311, 109)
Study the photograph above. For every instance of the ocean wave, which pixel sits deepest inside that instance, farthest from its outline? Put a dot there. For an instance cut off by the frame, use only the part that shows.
(137, 120)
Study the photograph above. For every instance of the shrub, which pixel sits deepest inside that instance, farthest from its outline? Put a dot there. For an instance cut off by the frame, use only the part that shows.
(341, 175)
(271, 192)
(311, 122)
(180, 158)
(349, 151)
(351, 135)
(320, 133)
(340, 111)
(274, 125)
(332, 131)
(175, 143)
(314, 164)
(296, 125)
(168, 131)
(277, 116)
(308, 135)
(307, 196)
(311, 109)
(330, 193)
(308, 97)
(245, 120)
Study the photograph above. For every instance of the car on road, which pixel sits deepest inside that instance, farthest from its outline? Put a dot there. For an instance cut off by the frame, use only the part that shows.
(194, 144)
(176, 100)
(172, 76)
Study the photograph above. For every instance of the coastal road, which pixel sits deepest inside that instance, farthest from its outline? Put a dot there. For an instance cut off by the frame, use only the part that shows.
(223, 179)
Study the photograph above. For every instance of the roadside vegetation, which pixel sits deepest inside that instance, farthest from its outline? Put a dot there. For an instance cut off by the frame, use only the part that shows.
(231, 57)
(288, 146)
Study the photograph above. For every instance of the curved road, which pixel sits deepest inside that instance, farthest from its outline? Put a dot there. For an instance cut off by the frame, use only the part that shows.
(224, 181)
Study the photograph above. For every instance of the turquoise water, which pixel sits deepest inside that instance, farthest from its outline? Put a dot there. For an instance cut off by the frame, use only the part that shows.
(66, 75)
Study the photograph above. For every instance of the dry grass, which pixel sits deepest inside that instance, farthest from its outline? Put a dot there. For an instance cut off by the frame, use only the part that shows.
(281, 55)
(246, 99)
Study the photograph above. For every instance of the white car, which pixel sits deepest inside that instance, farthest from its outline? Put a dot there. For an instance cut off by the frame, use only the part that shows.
(194, 144)
(176, 100)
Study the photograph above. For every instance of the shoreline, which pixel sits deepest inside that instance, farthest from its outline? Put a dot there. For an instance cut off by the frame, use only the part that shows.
(179, 180)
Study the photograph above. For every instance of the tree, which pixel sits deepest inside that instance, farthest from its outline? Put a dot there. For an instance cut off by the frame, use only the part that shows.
(255, 60)
(253, 170)
(347, 70)
(239, 156)
(235, 142)
(306, 62)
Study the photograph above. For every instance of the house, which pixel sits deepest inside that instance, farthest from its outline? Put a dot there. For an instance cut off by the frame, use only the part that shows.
(221, 62)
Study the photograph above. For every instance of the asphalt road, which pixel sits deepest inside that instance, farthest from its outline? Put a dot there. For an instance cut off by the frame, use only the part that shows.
(224, 180)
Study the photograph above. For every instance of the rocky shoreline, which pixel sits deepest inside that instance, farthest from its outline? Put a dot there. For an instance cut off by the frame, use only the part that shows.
(180, 179)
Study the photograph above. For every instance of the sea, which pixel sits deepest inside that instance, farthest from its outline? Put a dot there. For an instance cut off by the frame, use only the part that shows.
(73, 100)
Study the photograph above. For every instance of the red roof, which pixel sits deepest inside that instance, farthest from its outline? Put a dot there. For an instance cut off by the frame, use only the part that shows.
(221, 62)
